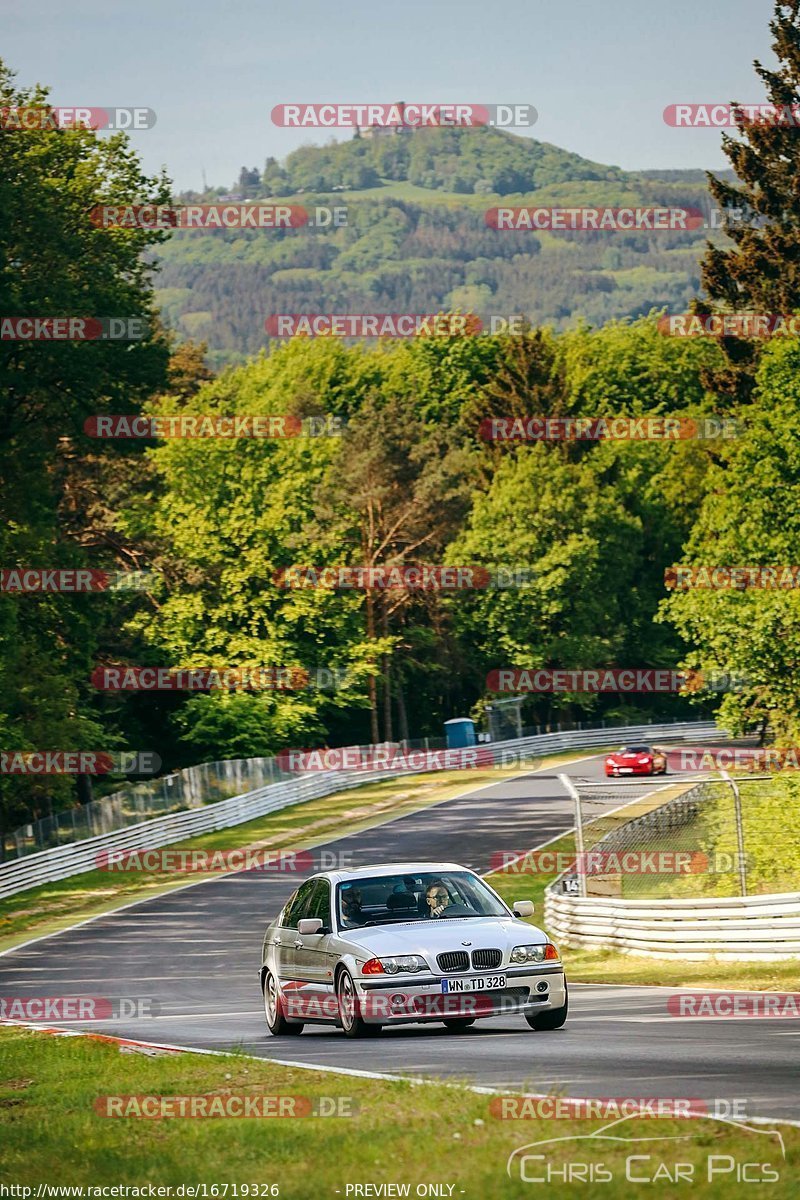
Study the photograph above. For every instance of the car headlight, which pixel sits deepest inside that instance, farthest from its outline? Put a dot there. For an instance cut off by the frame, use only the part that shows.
(544, 952)
(404, 962)
(392, 966)
(644, 758)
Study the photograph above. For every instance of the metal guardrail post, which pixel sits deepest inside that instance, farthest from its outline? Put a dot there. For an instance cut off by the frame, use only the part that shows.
(572, 791)
(737, 808)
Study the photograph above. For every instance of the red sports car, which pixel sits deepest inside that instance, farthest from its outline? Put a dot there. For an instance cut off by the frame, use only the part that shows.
(637, 760)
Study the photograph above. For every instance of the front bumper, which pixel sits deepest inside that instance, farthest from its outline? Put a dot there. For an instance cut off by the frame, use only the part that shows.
(636, 769)
(397, 1001)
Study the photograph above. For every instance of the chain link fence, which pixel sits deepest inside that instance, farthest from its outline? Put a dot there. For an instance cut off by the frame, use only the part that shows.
(705, 836)
(205, 783)
(209, 783)
(504, 718)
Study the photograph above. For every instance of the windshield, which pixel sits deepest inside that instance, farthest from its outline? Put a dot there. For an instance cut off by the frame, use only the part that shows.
(635, 750)
(389, 899)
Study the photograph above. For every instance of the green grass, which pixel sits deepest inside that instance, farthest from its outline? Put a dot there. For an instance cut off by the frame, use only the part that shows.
(397, 1132)
(598, 192)
(609, 966)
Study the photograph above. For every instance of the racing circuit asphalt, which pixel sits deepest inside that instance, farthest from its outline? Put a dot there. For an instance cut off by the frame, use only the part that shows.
(195, 952)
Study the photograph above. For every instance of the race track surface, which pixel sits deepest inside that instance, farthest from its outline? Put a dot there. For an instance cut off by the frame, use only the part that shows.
(195, 953)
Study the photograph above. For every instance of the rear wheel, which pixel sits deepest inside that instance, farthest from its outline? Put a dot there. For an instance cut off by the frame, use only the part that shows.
(458, 1024)
(552, 1018)
(273, 1010)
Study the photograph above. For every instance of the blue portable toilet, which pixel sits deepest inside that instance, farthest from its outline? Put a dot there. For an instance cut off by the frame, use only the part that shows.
(460, 732)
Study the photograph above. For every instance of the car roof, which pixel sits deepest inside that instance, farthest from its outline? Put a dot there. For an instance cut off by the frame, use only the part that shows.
(398, 868)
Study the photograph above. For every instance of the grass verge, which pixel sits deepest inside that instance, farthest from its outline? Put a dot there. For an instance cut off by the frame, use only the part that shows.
(395, 1133)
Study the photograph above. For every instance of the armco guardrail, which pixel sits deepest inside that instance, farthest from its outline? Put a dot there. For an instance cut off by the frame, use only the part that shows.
(755, 927)
(61, 862)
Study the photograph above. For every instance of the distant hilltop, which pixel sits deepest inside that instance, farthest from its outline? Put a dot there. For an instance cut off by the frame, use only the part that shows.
(393, 127)
(465, 160)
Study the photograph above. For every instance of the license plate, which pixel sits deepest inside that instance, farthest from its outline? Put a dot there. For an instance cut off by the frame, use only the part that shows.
(625, 770)
(484, 983)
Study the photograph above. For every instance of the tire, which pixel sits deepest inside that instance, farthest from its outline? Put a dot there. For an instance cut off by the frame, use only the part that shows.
(350, 1018)
(553, 1018)
(273, 1011)
(458, 1024)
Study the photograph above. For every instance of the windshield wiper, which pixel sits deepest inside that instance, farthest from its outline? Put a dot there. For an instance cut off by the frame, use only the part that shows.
(390, 921)
(463, 916)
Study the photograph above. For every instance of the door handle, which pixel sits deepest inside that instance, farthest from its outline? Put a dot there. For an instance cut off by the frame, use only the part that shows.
(298, 945)
(276, 941)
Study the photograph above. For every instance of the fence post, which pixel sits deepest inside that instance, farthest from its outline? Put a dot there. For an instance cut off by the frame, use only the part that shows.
(737, 808)
(572, 791)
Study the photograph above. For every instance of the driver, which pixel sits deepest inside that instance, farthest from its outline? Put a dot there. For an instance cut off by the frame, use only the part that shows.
(442, 904)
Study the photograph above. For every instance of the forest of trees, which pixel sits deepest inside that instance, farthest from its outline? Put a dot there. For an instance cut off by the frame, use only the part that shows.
(416, 240)
(397, 255)
(408, 479)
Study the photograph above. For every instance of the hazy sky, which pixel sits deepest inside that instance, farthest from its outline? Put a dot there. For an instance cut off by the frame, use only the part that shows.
(599, 75)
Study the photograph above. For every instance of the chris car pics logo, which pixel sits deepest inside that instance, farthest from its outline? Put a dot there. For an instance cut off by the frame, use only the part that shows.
(615, 1152)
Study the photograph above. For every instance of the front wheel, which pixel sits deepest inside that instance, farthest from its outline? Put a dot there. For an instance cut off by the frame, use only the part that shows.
(553, 1018)
(273, 1010)
(458, 1024)
(352, 1022)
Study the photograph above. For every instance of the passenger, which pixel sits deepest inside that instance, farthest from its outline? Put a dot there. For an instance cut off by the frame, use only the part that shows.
(351, 906)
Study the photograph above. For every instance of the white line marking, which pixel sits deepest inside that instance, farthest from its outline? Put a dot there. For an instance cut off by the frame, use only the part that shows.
(414, 1081)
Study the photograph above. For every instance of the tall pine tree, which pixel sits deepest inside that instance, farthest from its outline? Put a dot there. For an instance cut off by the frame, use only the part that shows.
(761, 272)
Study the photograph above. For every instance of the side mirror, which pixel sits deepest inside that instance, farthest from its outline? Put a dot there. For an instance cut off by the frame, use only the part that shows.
(520, 908)
(309, 925)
